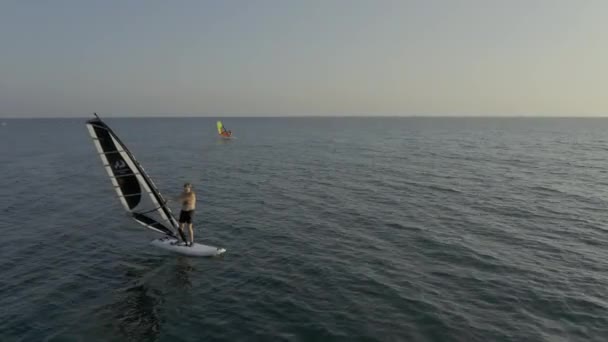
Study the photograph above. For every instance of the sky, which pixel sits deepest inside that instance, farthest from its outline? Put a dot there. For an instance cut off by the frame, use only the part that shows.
(308, 57)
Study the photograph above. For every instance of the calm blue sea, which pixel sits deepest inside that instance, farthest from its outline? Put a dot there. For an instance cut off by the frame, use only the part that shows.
(337, 229)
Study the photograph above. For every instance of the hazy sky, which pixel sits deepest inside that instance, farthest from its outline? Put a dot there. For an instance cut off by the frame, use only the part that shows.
(252, 57)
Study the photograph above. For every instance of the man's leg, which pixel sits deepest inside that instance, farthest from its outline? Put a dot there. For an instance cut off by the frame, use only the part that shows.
(191, 234)
(181, 232)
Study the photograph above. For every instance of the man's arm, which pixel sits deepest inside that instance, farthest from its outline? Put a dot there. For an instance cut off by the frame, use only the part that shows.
(178, 198)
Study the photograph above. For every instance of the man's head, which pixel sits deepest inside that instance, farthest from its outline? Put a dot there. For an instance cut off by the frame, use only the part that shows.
(187, 187)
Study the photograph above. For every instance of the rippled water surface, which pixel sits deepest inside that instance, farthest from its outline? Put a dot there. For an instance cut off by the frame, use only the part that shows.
(385, 229)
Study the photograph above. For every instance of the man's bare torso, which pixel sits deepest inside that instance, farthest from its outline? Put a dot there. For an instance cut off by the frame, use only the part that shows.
(188, 200)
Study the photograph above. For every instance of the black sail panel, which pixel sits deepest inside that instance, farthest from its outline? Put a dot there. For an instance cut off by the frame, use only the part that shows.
(128, 185)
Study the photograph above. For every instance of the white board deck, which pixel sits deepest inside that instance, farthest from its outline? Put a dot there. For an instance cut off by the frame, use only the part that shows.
(196, 249)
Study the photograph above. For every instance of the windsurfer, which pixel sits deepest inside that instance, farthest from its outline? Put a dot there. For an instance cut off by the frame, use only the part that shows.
(188, 200)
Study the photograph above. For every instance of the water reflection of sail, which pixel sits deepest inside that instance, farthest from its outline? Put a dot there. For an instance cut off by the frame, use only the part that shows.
(137, 309)
(139, 320)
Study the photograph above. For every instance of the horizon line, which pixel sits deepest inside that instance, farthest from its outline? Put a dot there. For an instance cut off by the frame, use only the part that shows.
(165, 116)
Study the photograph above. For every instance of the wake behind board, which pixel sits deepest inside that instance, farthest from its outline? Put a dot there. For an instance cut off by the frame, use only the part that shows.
(176, 246)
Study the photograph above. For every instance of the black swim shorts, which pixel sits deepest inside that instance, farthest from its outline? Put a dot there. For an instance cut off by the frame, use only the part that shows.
(186, 216)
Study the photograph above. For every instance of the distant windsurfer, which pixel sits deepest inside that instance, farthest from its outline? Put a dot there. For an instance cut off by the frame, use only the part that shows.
(188, 200)
(222, 131)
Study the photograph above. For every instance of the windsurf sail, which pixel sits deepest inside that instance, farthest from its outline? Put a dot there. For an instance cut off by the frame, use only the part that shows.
(220, 128)
(135, 190)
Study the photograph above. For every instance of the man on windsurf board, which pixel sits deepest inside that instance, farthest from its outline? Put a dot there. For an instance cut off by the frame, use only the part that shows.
(188, 200)
(222, 130)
